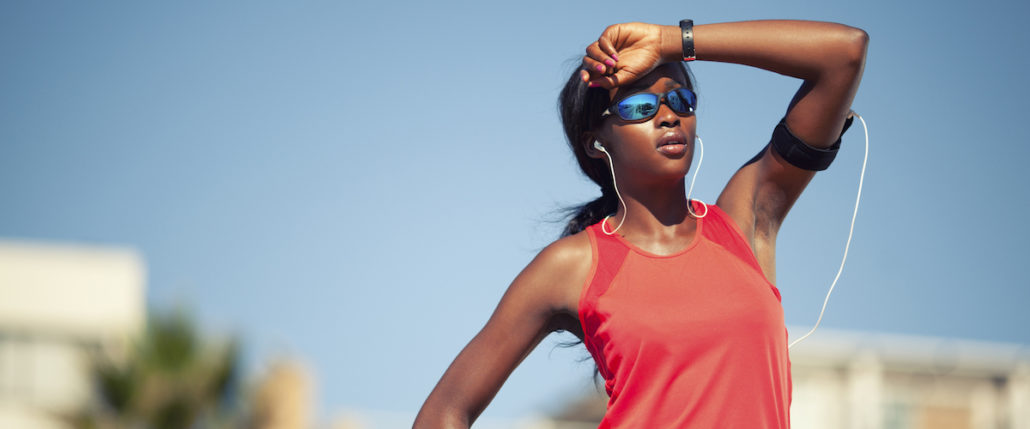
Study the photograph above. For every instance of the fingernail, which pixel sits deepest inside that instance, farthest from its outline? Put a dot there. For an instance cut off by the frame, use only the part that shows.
(593, 85)
(615, 57)
(600, 68)
(610, 63)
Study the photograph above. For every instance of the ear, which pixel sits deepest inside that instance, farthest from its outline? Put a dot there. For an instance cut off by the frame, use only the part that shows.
(592, 151)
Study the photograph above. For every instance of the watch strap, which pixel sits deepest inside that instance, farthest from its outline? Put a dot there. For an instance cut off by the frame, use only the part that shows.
(687, 32)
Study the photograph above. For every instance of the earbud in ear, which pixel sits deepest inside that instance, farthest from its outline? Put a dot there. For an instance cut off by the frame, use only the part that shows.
(597, 145)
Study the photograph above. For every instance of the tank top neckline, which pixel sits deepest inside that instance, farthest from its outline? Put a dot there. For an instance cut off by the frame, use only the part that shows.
(693, 242)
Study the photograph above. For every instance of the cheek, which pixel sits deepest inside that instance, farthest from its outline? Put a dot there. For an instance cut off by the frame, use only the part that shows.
(622, 134)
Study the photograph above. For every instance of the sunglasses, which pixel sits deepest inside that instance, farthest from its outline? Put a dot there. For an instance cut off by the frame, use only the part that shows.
(644, 105)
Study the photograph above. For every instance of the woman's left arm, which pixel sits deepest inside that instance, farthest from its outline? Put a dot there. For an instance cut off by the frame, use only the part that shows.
(829, 58)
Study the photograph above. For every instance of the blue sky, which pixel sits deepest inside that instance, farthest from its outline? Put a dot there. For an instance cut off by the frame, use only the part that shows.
(356, 184)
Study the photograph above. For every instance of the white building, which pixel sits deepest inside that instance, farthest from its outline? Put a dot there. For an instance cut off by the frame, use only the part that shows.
(878, 381)
(58, 304)
(855, 380)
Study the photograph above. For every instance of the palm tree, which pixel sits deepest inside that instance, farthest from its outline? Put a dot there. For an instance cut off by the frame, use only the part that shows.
(170, 379)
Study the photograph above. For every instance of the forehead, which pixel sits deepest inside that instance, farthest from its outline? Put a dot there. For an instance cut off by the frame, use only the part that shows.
(661, 79)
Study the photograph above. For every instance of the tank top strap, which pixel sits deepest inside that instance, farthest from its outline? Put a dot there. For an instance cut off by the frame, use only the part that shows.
(723, 230)
(607, 257)
(609, 254)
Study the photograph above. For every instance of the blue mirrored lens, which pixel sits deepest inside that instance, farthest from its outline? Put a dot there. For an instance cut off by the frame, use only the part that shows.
(638, 106)
(682, 100)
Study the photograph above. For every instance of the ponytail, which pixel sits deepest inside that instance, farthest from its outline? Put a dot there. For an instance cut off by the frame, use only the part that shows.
(590, 213)
(580, 108)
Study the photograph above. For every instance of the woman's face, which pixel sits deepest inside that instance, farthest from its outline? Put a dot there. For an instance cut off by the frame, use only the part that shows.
(658, 149)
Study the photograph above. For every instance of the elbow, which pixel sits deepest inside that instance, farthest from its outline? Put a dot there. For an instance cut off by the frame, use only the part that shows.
(855, 43)
(842, 53)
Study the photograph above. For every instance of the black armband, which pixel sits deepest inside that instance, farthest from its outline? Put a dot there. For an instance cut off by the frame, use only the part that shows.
(801, 155)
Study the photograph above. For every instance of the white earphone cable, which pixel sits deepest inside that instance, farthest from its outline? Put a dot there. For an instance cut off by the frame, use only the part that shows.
(614, 185)
(690, 208)
(851, 231)
(700, 159)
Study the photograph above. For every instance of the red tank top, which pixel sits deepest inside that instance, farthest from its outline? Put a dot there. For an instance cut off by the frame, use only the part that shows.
(693, 339)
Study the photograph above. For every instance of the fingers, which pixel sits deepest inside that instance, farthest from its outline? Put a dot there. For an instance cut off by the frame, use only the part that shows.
(606, 82)
(606, 46)
(598, 62)
(593, 75)
(597, 75)
(621, 77)
(592, 66)
(596, 53)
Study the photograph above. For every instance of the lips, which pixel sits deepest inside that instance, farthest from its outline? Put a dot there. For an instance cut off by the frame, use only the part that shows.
(672, 144)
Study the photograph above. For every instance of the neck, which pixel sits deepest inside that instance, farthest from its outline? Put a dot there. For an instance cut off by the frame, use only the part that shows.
(653, 209)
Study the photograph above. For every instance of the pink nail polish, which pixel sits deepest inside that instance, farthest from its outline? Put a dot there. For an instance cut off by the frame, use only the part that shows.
(615, 57)
(600, 68)
(593, 85)
(610, 63)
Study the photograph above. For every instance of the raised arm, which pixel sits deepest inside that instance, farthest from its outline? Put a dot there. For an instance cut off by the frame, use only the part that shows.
(534, 306)
(827, 57)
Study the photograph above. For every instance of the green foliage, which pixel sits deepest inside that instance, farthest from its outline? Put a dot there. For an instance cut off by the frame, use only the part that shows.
(170, 379)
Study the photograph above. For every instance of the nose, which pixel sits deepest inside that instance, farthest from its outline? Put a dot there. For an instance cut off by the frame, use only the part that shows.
(666, 117)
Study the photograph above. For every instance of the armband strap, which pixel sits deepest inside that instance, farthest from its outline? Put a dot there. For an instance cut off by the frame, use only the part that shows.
(801, 155)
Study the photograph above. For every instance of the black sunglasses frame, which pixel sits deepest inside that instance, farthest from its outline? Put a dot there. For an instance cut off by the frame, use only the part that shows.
(662, 98)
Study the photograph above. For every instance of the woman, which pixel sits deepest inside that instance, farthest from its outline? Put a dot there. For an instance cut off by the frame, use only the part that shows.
(674, 299)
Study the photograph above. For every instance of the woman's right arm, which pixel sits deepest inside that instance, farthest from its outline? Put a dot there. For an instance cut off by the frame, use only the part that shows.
(534, 305)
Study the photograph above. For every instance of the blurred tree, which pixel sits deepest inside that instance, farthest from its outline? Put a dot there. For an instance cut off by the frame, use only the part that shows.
(170, 379)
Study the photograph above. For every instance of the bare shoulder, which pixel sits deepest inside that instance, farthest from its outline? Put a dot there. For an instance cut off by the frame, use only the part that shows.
(561, 269)
(567, 252)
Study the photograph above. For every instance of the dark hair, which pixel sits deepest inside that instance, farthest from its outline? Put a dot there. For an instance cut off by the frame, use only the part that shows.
(580, 108)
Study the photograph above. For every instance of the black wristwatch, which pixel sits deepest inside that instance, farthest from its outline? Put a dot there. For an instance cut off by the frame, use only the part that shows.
(687, 31)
